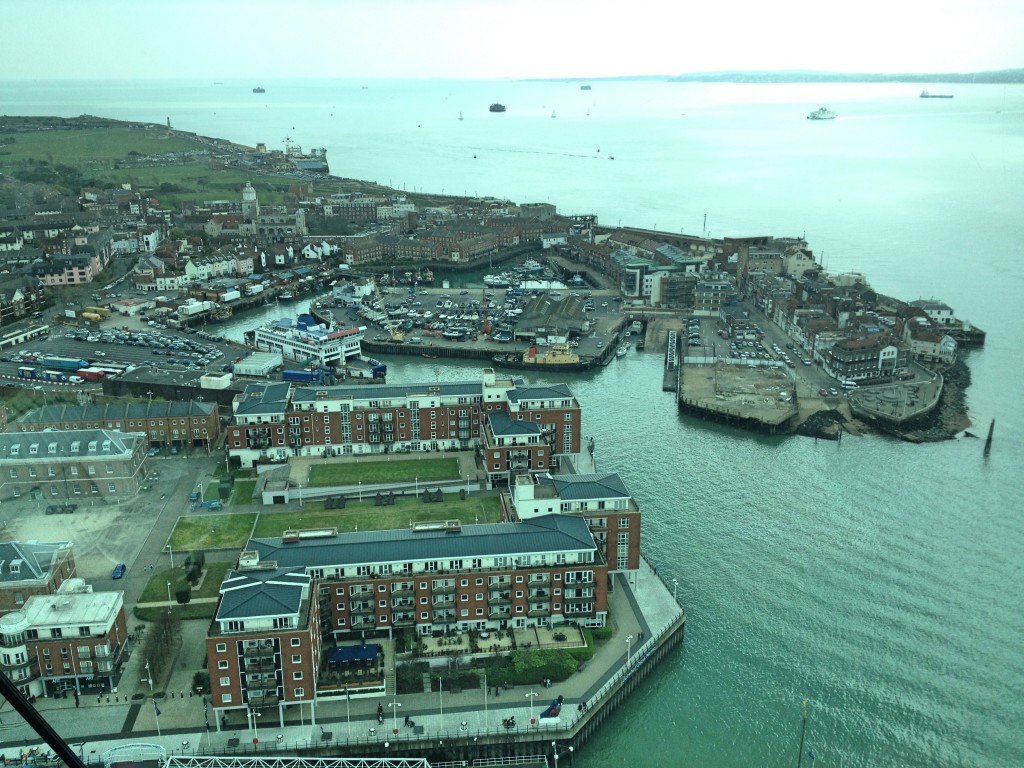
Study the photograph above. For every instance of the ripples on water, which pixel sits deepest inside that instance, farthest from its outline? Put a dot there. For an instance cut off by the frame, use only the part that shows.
(879, 580)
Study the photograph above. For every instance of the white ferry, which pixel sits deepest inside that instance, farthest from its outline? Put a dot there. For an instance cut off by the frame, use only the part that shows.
(306, 340)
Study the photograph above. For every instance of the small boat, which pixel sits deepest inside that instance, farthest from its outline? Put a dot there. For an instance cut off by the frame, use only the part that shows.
(822, 114)
(622, 350)
(497, 107)
(286, 296)
(584, 87)
(928, 95)
(259, 89)
(553, 113)
(460, 116)
(429, 357)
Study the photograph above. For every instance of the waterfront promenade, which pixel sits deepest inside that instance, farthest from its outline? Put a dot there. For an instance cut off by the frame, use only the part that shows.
(642, 604)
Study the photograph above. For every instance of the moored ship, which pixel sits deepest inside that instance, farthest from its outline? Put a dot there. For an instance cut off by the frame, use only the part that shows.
(558, 357)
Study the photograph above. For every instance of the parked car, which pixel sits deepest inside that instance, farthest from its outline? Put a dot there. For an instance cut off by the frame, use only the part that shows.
(119, 570)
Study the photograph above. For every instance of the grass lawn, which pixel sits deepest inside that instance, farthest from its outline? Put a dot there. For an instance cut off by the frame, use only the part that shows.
(242, 492)
(29, 399)
(364, 516)
(211, 531)
(87, 147)
(373, 472)
(156, 592)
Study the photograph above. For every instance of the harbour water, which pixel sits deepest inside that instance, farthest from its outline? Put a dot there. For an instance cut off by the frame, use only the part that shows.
(883, 582)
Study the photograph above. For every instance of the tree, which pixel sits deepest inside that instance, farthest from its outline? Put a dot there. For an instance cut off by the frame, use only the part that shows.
(183, 596)
(162, 642)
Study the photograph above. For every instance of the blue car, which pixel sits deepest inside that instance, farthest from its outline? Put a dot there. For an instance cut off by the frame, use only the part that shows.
(119, 570)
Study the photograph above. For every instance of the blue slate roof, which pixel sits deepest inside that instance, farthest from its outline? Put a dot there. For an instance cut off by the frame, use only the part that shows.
(606, 485)
(547, 533)
(502, 426)
(256, 593)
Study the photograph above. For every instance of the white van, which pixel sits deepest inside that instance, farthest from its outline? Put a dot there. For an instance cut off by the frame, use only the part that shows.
(849, 384)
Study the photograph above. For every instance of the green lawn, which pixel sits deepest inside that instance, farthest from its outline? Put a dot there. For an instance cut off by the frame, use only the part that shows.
(93, 146)
(242, 492)
(364, 516)
(156, 592)
(375, 472)
(211, 531)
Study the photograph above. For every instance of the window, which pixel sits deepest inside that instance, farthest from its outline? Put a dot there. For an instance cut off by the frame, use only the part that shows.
(225, 681)
(222, 664)
(296, 675)
(222, 647)
(296, 659)
(225, 698)
(296, 642)
(623, 522)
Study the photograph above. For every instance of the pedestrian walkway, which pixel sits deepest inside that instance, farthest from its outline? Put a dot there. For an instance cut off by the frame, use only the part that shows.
(641, 607)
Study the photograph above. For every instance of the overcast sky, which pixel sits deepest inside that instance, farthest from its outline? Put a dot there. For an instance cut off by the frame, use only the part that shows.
(219, 39)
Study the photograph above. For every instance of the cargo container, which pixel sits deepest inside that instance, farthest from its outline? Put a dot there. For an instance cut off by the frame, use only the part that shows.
(101, 311)
(303, 376)
(91, 374)
(64, 363)
(26, 372)
(54, 376)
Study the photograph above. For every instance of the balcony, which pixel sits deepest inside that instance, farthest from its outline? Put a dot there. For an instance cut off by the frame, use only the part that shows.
(499, 597)
(443, 600)
(403, 602)
(403, 619)
(540, 593)
(259, 665)
(403, 588)
(539, 609)
(262, 651)
(261, 683)
(443, 616)
(496, 612)
(364, 606)
(539, 578)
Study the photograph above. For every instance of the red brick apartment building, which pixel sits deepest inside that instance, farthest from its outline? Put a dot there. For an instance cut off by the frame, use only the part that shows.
(71, 640)
(264, 645)
(520, 427)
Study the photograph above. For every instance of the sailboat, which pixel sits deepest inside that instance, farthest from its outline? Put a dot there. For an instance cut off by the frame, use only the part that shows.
(460, 115)
(552, 113)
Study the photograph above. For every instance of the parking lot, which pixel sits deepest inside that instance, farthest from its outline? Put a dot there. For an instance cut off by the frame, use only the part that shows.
(118, 348)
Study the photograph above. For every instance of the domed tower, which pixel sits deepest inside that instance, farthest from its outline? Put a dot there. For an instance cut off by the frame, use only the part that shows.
(250, 205)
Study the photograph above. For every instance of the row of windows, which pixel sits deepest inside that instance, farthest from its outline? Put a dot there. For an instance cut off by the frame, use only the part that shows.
(76, 488)
(52, 472)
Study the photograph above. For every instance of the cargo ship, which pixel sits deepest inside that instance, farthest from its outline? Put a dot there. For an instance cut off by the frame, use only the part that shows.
(259, 89)
(497, 107)
(929, 95)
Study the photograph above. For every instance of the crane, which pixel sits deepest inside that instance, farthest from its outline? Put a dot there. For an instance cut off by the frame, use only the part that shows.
(395, 335)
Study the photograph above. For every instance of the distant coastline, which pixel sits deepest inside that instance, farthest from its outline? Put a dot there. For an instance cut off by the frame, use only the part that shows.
(810, 76)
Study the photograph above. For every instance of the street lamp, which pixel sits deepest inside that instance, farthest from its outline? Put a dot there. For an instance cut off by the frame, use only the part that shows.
(629, 639)
(531, 696)
(394, 705)
(255, 732)
(149, 677)
(675, 586)
(168, 597)
(554, 751)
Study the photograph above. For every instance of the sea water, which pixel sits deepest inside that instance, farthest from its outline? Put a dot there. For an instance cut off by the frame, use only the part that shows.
(880, 581)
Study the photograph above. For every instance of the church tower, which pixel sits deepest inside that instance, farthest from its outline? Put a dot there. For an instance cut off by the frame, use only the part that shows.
(250, 205)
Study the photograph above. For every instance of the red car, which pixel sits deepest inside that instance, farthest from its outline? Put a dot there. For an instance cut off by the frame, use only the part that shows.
(823, 392)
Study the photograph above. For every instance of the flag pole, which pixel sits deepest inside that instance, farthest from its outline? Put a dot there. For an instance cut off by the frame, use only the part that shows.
(156, 712)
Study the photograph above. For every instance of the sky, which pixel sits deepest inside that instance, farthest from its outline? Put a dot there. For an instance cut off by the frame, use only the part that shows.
(488, 39)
